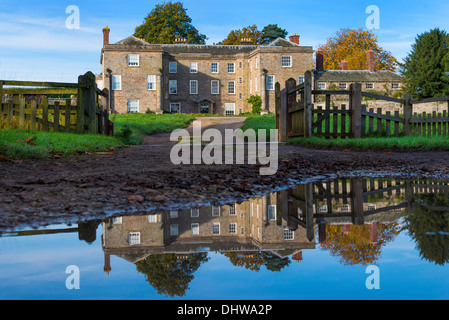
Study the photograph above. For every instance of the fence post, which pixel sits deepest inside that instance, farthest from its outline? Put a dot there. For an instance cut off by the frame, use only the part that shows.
(80, 105)
(356, 108)
(408, 110)
(277, 105)
(291, 99)
(283, 116)
(91, 105)
(308, 115)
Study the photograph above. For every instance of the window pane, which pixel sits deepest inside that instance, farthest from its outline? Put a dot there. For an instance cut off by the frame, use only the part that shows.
(134, 238)
(116, 82)
(133, 60)
(214, 67)
(175, 107)
(173, 229)
(193, 87)
(229, 109)
(193, 67)
(172, 67)
(286, 61)
(270, 82)
(216, 228)
(195, 227)
(231, 87)
(151, 82)
(231, 67)
(173, 87)
(215, 87)
(133, 106)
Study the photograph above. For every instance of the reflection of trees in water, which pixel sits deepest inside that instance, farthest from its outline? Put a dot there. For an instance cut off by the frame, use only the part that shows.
(257, 259)
(429, 227)
(170, 275)
(354, 247)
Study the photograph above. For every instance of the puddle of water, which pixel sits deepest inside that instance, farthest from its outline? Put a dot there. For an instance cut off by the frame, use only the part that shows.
(314, 241)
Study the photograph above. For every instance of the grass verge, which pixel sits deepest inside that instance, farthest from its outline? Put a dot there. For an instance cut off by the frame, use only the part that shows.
(132, 128)
(435, 143)
(22, 144)
(266, 122)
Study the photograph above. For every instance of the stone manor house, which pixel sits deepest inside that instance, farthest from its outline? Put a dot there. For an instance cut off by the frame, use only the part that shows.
(214, 79)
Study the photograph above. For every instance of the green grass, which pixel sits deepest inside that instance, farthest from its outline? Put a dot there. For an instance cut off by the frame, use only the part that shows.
(24, 144)
(266, 122)
(132, 128)
(435, 143)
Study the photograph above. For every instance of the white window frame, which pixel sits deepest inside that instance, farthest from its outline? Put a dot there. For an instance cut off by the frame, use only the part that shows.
(133, 60)
(216, 213)
(301, 79)
(231, 87)
(321, 85)
(217, 87)
(151, 82)
(130, 101)
(172, 104)
(173, 214)
(152, 218)
(133, 238)
(173, 84)
(174, 230)
(232, 211)
(116, 82)
(233, 228)
(369, 86)
(215, 225)
(271, 212)
(195, 229)
(194, 213)
(212, 67)
(343, 85)
(231, 67)
(173, 67)
(323, 209)
(395, 86)
(193, 67)
(227, 109)
(193, 85)
(288, 235)
(117, 220)
(268, 87)
(286, 61)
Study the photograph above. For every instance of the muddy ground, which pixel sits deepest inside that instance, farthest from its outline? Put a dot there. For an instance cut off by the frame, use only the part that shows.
(141, 178)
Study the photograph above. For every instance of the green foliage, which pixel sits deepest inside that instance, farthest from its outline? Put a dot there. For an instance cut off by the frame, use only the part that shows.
(250, 32)
(266, 122)
(166, 22)
(25, 144)
(271, 32)
(256, 102)
(425, 68)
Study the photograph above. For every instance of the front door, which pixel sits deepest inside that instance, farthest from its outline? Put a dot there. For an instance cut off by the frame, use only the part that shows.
(204, 107)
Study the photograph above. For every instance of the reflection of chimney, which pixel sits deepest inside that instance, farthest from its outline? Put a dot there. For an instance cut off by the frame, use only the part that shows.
(319, 60)
(297, 256)
(107, 263)
(106, 31)
(373, 232)
(246, 42)
(180, 41)
(344, 65)
(370, 61)
(346, 228)
(322, 233)
(294, 38)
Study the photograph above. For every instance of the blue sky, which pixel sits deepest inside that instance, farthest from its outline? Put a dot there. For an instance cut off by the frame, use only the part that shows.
(36, 45)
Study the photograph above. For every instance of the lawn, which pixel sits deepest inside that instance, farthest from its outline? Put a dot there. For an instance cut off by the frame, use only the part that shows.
(132, 128)
(25, 144)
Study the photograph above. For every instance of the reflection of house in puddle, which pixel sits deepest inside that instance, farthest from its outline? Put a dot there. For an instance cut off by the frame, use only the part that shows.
(252, 226)
(348, 215)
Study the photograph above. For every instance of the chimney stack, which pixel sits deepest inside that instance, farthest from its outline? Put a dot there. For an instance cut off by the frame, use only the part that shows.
(180, 41)
(294, 38)
(344, 65)
(320, 60)
(246, 42)
(370, 61)
(106, 31)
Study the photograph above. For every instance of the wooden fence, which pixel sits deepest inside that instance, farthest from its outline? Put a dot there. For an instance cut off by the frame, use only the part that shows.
(77, 107)
(296, 115)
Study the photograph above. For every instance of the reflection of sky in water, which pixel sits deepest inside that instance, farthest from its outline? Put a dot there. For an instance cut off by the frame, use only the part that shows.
(34, 268)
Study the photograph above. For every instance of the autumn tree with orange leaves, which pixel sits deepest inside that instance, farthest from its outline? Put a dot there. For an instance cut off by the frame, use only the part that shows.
(352, 45)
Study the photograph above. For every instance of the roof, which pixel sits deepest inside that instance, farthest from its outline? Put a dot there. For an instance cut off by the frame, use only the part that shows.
(356, 76)
(281, 42)
(133, 41)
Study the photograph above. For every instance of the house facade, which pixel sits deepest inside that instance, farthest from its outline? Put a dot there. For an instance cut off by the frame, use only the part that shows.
(187, 78)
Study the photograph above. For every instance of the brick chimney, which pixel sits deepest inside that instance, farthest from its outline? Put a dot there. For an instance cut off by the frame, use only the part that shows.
(344, 65)
(246, 42)
(106, 31)
(370, 61)
(180, 41)
(294, 38)
(319, 60)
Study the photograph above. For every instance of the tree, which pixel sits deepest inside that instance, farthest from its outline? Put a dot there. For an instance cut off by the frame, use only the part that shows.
(166, 22)
(271, 32)
(256, 102)
(250, 32)
(352, 45)
(424, 68)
